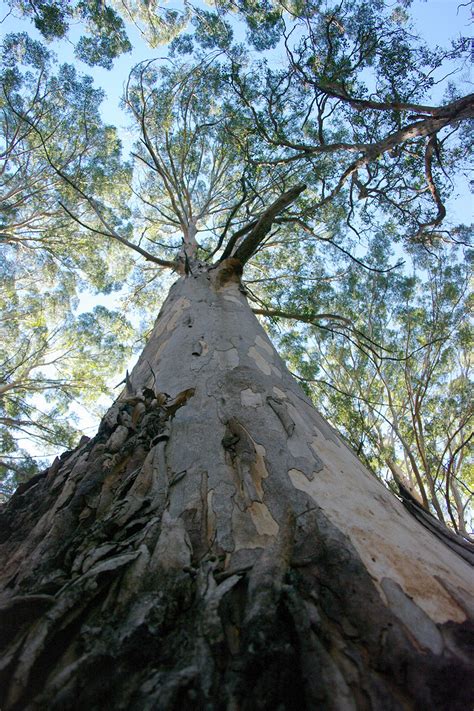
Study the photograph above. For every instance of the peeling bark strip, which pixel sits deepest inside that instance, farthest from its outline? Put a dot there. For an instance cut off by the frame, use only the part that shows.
(216, 545)
(280, 410)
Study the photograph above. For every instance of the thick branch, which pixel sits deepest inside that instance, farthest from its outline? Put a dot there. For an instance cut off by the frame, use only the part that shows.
(264, 224)
(423, 126)
(430, 149)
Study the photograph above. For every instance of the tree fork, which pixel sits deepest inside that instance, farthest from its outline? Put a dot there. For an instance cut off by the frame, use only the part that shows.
(217, 545)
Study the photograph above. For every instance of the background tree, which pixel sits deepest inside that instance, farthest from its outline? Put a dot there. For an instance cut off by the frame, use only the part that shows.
(405, 407)
(50, 361)
(38, 109)
(105, 37)
(46, 261)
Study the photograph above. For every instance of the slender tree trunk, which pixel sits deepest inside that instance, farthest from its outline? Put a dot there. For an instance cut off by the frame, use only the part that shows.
(218, 546)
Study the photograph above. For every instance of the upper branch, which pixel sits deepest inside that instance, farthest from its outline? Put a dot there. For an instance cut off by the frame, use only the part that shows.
(264, 223)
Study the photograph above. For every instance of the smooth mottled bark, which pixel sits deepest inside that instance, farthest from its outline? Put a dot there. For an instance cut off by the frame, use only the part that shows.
(217, 546)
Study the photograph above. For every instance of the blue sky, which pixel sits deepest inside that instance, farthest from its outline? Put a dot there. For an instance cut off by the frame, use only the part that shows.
(438, 21)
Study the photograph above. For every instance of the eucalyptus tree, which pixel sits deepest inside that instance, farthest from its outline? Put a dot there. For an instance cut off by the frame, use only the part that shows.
(50, 360)
(378, 158)
(45, 262)
(105, 36)
(190, 176)
(105, 27)
(39, 106)
(217, 544)
(406, 407)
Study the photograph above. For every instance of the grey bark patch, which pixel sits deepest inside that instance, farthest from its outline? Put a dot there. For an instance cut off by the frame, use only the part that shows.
(178, 401)
(222, 507)
(249, 398)
(111, 564)
(280, 409)
(20, 610)
(117, 439)
(89, 558)
(177, 476)
(313, 415)
(415, 620)
(247, 461)
(173, 549)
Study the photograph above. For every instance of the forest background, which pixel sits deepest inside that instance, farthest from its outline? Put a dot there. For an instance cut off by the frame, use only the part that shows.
(368, 303)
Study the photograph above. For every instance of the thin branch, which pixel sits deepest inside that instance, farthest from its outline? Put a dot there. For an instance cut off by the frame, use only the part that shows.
(114, 235)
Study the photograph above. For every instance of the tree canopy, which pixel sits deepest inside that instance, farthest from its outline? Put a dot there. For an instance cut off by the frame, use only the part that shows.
(319, 144)
(45, 262)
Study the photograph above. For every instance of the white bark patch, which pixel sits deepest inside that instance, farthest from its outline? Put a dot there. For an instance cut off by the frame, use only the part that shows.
(227, 359)
(279, 393)
(260, 361)
(250, 399)
(297, 472)
(244, 527)
(276, 371)
(389, 541)
(265, 345)
(181, 305)
(263, 520)
(234, 299)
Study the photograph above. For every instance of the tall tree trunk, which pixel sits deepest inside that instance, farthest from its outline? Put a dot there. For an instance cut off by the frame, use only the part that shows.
(217, 546)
